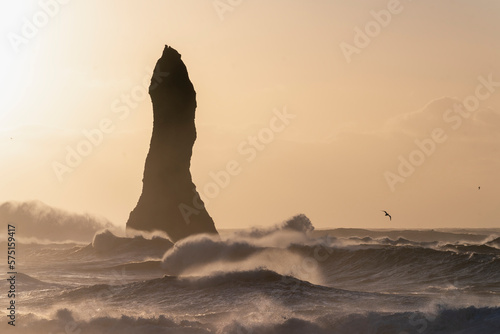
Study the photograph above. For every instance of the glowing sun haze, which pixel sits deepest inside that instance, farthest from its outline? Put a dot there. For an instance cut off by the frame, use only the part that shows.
(330, 108)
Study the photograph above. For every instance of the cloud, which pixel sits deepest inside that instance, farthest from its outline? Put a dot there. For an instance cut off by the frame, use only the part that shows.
(452, 116)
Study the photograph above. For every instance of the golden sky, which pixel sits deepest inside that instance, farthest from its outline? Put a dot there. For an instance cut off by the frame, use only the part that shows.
(335, 109)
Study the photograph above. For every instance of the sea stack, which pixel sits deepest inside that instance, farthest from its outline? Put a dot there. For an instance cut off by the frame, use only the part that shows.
(169, 201)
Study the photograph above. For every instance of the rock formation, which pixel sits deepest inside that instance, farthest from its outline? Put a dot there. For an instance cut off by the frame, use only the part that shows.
(169, 201)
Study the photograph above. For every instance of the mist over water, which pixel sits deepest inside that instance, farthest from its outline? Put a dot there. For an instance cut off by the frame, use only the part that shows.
(289, 278)
(41, 222)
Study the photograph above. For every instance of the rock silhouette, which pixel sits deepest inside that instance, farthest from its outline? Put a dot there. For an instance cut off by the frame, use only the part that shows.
(169, 201)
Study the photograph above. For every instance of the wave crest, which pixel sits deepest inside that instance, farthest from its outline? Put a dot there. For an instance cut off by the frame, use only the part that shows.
(267, 249)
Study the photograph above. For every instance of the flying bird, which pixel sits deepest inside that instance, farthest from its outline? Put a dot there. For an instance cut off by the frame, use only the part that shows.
(390, 218)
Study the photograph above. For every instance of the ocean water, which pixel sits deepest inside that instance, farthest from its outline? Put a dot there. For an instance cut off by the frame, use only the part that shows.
(286, 279)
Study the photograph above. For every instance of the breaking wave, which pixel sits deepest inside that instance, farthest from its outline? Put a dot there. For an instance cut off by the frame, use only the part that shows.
(445, 321)
(42, 222)
(289, 278)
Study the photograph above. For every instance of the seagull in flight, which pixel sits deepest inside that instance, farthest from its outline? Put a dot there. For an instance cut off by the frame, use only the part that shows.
(390, 218)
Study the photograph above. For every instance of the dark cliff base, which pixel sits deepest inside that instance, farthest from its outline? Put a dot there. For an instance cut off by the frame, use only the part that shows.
(169, 201)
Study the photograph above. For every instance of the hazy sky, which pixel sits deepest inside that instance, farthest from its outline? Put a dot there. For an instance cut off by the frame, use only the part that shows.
(392, 105)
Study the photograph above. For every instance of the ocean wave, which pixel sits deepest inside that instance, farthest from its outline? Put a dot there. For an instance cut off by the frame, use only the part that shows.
(472, 249)
(252, 279)
(367, 264)
(444, 321)
(382, 264)
(26, 282)
(107, 244)
(390, 242)
(204, 255)
(216, 293)
(442, 236)
(141, 266)
(203, 250)
(288, 326)
(298, 223)
(258, 278)
(41, 221)
(66, 321)
(399, 268)
(486, 246)
(494, 243)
